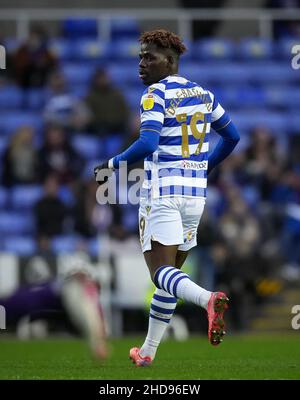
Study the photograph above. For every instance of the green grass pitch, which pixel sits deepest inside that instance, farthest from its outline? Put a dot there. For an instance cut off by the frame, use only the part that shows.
(239, 357)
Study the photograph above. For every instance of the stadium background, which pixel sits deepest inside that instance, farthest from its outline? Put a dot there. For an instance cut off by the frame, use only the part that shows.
(59, 119)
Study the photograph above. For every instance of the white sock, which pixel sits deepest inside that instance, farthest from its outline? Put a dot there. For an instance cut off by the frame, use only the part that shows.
(179, 284)
(161, 311)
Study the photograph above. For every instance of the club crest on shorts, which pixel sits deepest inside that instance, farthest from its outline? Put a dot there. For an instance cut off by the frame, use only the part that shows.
(148, 209)
(148, 102)
(189, 236)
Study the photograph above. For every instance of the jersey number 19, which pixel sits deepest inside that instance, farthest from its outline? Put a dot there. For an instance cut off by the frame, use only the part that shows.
(182, 118)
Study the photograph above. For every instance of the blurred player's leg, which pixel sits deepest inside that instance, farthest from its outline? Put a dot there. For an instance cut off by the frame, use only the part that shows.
(80, 297)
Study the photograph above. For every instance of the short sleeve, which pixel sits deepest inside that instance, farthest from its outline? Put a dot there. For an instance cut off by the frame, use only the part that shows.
(153, 108)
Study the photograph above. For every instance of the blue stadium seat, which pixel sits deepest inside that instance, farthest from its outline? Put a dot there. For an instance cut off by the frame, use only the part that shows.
(87, 173)
(293, 119)
(79, 91)
(87, 146)
(222, 72)
(245, 121)
(133, 97)
(233, 96)
(25, 196)
(125, 49)
(256, 49)
(77, 73)
(213, 49)
(271, 73)
(91, 49)
(11, 98)
(11, 44)
(125, 27)
(94, 247)
(35, 99)
(284, 48)
(20, 245)
(11, 121)
(3, 144)
(66, 195)
(282, 96)
(63, 48)
(189, 54)
(74, 28)
(124, 74)
(16, 223)
(113, 145)
(64, 244)
(3, 197)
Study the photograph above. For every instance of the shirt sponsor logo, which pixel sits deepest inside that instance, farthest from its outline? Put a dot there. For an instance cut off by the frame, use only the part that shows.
(193, 164)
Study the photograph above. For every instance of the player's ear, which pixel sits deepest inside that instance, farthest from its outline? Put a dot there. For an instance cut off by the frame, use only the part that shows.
(170, 59)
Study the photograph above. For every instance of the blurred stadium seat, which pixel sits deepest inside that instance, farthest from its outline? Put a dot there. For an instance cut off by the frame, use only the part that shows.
(113, 144)
(125, 27)
(35, 99)
(77, 73)
(133, 96)
(62, 48)
(245, 122)
(213, 49)
(20, 245)
(65, 244)
(74, 28)
(91, 49)
(25, 196)
(94, 246)
(124, 73)
(124, 49)
(11, 121)
(255, 49)
(11, 97)
(3, 144)
(12, 222)
(3, 197)
(284, 48)
(87, 146)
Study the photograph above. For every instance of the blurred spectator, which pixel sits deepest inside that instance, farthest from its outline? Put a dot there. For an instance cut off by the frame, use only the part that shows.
(236, 254)
(33, 61)
(206, 237)
(108, 107)
(263, 161)
(58, 156)
(238, 227)
(63, 108)
(84, 208)
(50, 212)
(20, 160)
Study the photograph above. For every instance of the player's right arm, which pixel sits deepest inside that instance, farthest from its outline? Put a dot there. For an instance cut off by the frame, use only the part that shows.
(152, 118)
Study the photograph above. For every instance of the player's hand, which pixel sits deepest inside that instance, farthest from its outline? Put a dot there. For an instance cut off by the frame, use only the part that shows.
(102, 172)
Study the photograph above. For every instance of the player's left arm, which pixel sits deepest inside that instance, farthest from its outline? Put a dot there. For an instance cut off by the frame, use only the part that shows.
(222, 124)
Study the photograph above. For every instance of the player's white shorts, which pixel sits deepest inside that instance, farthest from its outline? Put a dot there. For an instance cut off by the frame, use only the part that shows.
(170, 221)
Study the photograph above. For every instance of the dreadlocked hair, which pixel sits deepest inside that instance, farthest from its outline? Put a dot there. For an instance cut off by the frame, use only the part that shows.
(164, 39)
